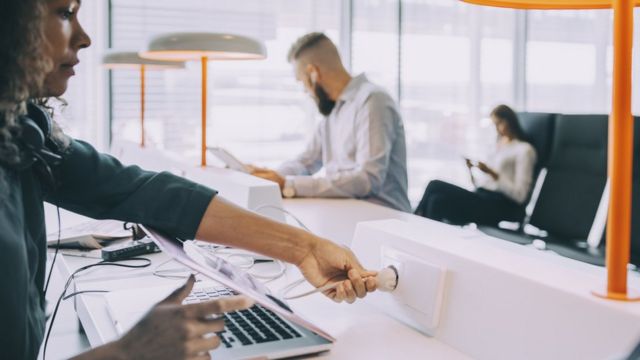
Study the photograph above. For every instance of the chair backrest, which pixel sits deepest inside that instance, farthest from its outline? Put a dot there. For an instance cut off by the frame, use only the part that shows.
(576, 177)
(538, 127)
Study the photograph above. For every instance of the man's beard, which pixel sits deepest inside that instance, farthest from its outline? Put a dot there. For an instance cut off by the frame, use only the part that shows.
(324, 102)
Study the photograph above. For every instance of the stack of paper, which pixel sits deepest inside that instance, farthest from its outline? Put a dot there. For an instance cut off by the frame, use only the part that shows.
(89, 235)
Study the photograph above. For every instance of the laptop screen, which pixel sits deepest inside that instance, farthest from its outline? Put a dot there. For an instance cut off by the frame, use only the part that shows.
(231, 276)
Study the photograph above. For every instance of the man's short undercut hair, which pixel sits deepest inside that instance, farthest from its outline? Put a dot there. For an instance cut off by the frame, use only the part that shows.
(305, 43)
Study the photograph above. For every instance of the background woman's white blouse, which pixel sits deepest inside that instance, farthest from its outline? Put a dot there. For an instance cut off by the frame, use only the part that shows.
(514, 162)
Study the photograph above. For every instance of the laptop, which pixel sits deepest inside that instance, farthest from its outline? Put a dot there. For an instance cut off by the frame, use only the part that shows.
(270, 329)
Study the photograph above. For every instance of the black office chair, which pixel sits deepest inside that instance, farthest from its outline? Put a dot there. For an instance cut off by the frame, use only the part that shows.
(538, 128)
(573, 187)
(635, 213)
(576, 176)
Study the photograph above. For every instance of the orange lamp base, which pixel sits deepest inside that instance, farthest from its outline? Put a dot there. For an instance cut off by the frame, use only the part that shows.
(630, 296)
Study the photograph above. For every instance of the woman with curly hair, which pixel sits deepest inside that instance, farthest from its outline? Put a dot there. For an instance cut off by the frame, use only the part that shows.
(39, 44)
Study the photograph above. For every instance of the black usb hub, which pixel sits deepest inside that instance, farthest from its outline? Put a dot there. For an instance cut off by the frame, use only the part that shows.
(129, 249)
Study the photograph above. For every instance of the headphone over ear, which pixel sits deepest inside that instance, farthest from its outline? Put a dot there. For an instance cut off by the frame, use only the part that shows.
(36, 130)
(35, 139)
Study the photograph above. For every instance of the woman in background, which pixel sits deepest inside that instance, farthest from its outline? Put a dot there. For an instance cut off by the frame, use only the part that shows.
(502, 183)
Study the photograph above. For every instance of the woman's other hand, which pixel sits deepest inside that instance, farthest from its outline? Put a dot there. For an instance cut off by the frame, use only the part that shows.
(175, 331)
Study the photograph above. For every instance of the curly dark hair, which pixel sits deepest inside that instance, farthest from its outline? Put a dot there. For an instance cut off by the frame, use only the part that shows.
(23, 67)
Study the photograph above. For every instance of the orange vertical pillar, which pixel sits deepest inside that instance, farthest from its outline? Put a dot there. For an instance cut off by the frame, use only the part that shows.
(620, 153)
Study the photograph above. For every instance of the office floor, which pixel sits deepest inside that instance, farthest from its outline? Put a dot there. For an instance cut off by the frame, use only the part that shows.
(66, 339)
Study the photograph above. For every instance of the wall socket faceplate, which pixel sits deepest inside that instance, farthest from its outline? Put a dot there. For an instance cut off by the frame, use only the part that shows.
(417, 300)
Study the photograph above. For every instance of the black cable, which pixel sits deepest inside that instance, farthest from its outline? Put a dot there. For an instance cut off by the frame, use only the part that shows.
(55, 255)
(136, 232)
(63, 296)
(84, 292)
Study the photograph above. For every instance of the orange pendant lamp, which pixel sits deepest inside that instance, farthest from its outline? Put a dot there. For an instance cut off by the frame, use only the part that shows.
(620, 132)
(131, 60)
(203, 47)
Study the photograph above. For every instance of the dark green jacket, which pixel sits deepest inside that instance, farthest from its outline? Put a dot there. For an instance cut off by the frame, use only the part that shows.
(91, 184)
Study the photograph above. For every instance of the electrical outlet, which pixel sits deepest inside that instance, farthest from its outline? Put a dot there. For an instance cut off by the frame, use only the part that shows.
(417, 299)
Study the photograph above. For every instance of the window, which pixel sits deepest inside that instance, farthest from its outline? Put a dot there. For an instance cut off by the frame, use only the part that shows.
(457, 63)
(375, 42)
(567, 61)
(256, 108)
(446, 62)
(570, 61)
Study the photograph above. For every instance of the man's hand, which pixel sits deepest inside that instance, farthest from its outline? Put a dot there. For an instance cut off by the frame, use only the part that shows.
(175, 331)
(268, 174)
(329, 263)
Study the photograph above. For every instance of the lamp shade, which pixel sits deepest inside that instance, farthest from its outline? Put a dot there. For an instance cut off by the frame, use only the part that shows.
(548, 4)
(130, 59)
(213, 46)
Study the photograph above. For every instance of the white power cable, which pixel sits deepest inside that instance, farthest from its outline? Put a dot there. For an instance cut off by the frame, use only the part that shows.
(386, 280)
(287, 289)
(230, 253)
(175, 273)
(282, 269)
(267, 206)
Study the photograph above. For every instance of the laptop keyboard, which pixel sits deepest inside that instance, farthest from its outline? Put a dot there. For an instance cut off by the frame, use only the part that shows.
(256, 325)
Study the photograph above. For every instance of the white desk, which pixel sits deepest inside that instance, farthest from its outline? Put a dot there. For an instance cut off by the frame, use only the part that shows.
(361, 330)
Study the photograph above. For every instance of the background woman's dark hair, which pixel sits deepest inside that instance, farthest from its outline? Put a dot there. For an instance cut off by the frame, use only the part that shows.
(23, 68)
(506, 114)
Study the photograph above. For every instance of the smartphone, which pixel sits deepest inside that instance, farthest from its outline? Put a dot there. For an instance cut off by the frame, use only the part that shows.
(473, 162)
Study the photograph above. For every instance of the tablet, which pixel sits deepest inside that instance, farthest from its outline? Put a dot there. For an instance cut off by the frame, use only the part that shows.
(231, 161)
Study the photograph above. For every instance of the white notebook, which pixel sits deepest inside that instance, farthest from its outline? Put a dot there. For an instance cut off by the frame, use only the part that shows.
(89, 235)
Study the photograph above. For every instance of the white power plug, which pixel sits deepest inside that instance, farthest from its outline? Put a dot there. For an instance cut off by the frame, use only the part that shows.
(387, 279)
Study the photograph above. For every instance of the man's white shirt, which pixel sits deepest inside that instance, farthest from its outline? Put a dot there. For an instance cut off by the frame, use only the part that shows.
(361, 145)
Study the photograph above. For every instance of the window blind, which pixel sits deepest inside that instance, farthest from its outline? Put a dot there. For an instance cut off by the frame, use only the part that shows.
(256, 109)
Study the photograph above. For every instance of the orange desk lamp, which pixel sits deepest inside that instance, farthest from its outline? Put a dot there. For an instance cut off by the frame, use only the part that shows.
(204, 47)
(131, 60)
(620, 132)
